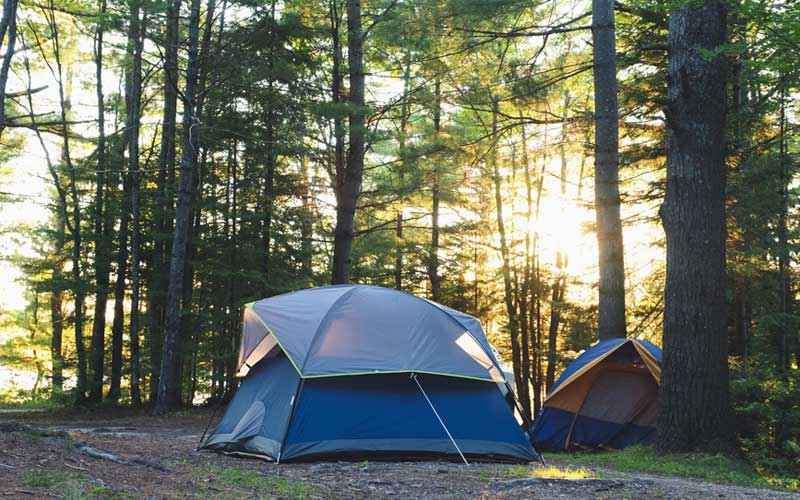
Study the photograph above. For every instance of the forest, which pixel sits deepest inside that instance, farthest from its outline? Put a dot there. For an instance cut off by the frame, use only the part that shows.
(565, 171)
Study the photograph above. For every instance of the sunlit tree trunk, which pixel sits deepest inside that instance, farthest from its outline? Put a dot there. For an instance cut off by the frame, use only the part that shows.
(607, 200)
(508, 291)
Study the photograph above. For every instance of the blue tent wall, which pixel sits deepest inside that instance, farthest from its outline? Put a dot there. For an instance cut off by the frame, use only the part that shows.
(366, 415)
(257, 417)
(557, 429)
(388, 415)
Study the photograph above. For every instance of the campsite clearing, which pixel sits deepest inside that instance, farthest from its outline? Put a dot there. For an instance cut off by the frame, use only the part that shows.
(161, 464)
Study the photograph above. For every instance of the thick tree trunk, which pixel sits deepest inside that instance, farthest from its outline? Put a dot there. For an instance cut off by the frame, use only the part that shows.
(694, 406)
(168, 385)
(163, 208)
(607, 200)
(348, 184)
(8, 26)
(102, 243)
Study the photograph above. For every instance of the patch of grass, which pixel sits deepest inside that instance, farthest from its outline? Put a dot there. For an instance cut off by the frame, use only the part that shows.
(551, 472)
(717, 468)
(265, 487)
(70, 486)
(47, 478)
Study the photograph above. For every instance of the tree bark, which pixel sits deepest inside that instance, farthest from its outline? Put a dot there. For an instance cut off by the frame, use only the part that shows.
(164, 208)
(433, 258)
(168, 385)
(8, 26)
(57, 306)
(348, 184)
(102, 243)
(694, 407)
(118, 323)
(134, 91)
(607, 200)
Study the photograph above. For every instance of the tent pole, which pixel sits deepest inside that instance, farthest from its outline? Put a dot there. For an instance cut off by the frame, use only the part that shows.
(525, 420)
(414, 378)
(217, 406)
(295, 402)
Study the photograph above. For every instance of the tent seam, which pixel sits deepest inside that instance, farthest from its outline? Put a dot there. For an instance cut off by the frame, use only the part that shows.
(322, 322)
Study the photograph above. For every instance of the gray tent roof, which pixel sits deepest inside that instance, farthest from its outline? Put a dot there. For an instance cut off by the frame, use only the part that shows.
(359, 329)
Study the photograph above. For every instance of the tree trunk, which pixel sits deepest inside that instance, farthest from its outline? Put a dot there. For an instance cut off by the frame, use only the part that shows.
(118, 323)
(65, 100)
(57, 306)
(694, 407)
(8, 26)
(134, 91)
(433, 258)
(607, 200)
(784, 255)
(163, 209)
(168, 385)
(513, 327)
(102, 243)
(404, 116)
(348, 185)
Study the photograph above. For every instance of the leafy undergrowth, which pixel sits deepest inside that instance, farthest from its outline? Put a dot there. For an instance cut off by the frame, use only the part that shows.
(263, 486)
(69, 486)
(718, 468)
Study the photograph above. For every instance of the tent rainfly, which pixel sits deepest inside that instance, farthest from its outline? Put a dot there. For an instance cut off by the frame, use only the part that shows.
(354, 371)
(607, 397)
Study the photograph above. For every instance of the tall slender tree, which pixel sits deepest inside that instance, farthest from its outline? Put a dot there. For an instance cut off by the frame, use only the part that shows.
(169, 394)
(606, 161)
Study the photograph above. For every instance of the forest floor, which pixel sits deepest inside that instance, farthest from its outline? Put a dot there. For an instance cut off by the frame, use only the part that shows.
(160, 462)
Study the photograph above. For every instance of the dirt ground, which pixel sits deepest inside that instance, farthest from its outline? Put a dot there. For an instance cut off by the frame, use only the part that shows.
(160, 462)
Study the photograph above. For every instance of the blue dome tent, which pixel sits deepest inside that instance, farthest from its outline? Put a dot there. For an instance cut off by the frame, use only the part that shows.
(607, 397)
(354, 371)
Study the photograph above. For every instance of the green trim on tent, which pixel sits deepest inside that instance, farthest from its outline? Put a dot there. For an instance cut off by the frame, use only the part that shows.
(250, 306)
(353, 374)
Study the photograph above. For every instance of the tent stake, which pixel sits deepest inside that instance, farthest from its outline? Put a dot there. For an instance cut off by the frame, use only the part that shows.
(414, 378)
